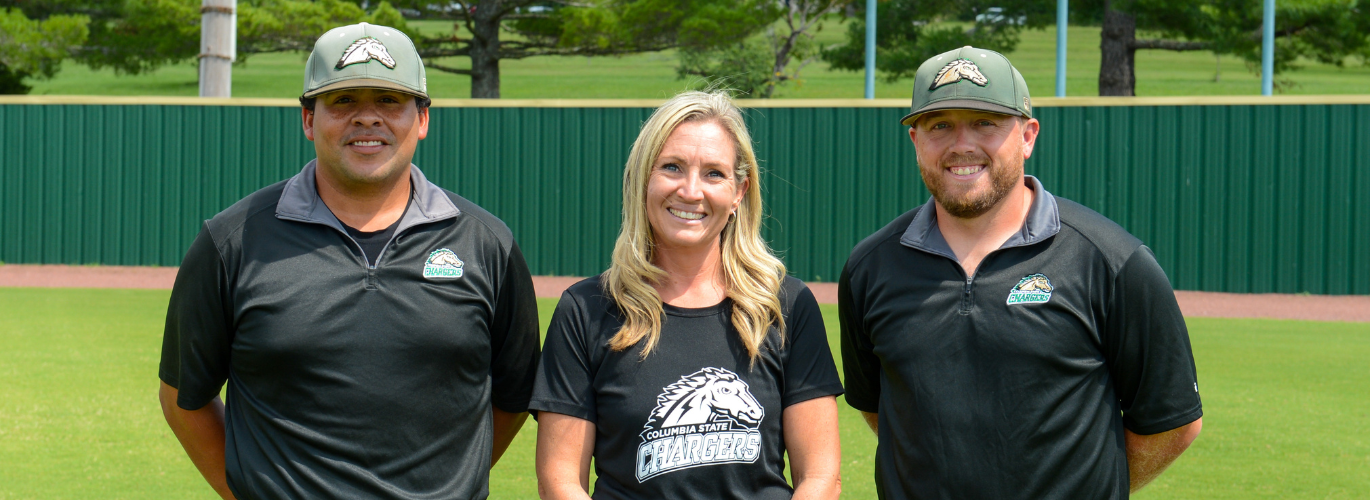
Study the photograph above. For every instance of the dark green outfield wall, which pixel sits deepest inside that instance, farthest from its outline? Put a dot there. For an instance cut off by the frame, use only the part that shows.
(1237, 198)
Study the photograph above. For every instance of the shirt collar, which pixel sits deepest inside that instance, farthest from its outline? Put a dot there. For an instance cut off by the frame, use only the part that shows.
(1043, 221)
(300, 201)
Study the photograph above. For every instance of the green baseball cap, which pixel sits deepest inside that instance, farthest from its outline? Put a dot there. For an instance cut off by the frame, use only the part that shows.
(364, 56)
(969, 78)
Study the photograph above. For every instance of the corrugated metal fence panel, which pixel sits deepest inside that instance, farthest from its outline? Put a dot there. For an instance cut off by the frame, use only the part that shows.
(831, 176)
(129, 185)
(554, 175)
(1231, 198)
(1240, 198)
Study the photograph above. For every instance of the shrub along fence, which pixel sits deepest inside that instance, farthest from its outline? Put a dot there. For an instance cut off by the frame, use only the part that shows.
(1258, 194)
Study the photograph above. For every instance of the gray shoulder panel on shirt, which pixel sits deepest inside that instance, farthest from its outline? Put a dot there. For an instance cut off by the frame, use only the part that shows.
(231, 220)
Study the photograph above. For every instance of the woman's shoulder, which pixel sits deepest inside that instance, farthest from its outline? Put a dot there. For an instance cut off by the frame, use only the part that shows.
(791, 283)
(588, 287)
(589, 296)
(792, 291)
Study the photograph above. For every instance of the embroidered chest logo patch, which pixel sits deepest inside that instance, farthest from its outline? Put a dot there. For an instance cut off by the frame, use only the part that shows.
(365, 50)
(955, 71)
(442, 264)
(1032, 289)
(708, 417)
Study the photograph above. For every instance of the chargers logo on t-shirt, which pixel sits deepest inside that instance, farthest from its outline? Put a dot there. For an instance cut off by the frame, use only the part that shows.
(708, 417)
(442, 264)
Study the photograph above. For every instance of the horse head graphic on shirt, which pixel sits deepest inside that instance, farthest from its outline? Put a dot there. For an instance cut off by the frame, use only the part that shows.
(708, 417)
(708, 395)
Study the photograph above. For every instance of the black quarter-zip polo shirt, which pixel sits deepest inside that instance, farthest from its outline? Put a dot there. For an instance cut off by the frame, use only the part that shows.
(346, 379)
(1016, 382)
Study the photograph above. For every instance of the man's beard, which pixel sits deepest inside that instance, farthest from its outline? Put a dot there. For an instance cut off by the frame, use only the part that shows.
(1003, 178)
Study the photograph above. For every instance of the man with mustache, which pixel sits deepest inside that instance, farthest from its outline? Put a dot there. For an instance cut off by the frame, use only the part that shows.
(378, 334)
(1003, 342)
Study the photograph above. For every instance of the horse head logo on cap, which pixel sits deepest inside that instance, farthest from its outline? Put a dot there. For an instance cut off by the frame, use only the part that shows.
(365, 50)
(955, 71)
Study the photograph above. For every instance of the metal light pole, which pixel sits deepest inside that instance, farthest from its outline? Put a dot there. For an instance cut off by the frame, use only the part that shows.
(218, 47)
(870, 49)
(1061, 17)
(1268, 50)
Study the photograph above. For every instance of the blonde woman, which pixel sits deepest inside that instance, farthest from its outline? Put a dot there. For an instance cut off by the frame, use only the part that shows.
(694, 364)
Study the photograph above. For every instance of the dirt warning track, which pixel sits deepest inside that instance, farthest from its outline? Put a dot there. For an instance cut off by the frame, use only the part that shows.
(1193, 304)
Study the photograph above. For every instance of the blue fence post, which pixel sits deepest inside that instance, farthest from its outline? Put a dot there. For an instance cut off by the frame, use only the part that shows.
(1061, 18)
(1268, 50)
(870, 49)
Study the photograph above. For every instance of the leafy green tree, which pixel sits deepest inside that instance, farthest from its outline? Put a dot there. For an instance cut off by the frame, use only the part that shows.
(1322, 30)
(137, 36)
(744, 67)
(579, 28)
(758, 66)
(36, 48)
(909, 32)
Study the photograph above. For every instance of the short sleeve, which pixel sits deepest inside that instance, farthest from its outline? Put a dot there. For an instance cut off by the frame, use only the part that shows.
(809, 369)
(860, 365)
(514, 337)
(1147, 349)
(198, 337)
(565, 375)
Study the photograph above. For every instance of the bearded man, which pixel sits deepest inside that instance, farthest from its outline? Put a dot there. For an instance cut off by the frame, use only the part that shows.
(1003, 342)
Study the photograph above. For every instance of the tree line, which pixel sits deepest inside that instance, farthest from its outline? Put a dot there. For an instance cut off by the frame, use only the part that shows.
(754, 46)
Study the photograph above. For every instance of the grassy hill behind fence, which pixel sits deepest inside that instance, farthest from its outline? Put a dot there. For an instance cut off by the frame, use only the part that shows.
(652, 75)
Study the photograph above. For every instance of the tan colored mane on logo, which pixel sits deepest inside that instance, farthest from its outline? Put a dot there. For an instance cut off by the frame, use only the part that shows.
(446, 259)
(364, 50)
(1035, 283)
(955, 71)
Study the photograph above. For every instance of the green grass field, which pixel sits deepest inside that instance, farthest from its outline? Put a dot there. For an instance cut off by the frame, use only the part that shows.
(1285, 403)
(652, 75)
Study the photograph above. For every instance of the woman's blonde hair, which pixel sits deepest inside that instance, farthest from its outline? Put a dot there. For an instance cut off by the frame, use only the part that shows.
(752, 274)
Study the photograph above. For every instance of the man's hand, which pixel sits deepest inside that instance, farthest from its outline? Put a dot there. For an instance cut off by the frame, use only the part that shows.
(1149, 455)
(506, 426)
(201, 433)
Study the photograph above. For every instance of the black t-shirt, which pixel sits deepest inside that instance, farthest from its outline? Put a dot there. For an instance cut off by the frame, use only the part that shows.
(1016, 382)
(693, 419)
(373, 243)
(346, 380)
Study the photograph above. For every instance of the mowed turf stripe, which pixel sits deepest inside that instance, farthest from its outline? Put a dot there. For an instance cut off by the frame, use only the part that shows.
(1285, 407)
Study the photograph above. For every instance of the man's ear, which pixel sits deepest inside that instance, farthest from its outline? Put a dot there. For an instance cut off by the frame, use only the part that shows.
(307, 119)
(423, 123)
(1030, 129)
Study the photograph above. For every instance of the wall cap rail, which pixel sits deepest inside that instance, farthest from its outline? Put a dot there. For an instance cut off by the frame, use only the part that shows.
(1042, 102)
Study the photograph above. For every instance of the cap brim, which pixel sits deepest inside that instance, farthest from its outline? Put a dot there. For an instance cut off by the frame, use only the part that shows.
(362, 83)
(959, 104)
